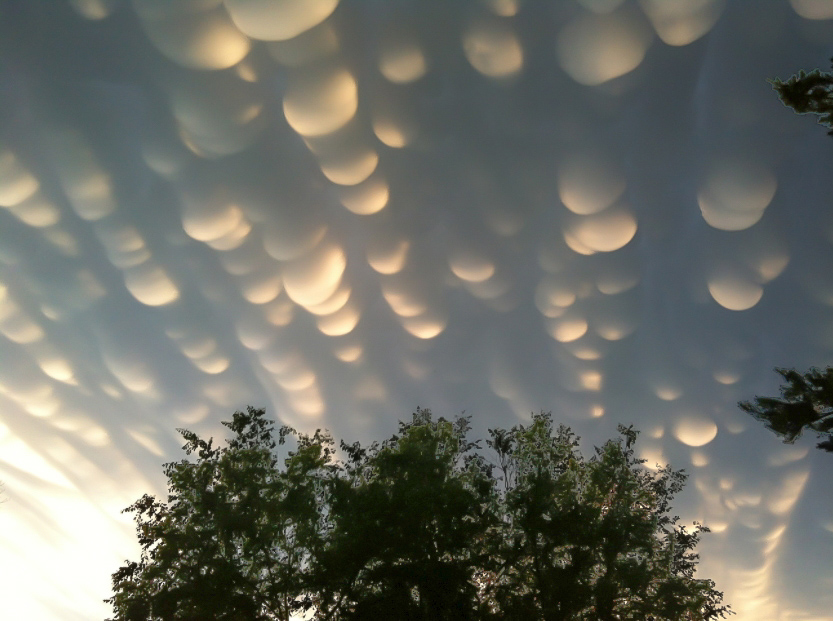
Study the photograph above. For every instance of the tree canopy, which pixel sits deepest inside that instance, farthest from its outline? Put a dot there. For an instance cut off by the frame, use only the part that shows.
(805, 404)
(808, 93)
(425, 525)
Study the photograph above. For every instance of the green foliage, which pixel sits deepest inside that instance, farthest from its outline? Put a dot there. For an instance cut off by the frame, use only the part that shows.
(591, 539)
(235, 538)
(808, 93)
(806, 403)
(420, 526)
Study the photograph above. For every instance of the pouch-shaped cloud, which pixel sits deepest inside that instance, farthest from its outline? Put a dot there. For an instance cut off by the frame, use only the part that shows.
(680, 22)
(200, 36)
(341, 322)
(86, 185)
(314, 277)
(16, 183)
(387, 254)
(553, 296)
(492, 47)
(404, 298)
(589, 183)
(94, 9)
(470, 266)
(732, 290)
(601, 232)
(594, 49)
(401, 59)
(209, 218)
(568, 328)
(315, 44)
(503, 8)
(322, 101)
(292, 233)
(150, 284)
(780, 500)
(369, 197)
(217, 116)
(349, 168)
(695, 430)
(278, 20)
(735, 193)
(15, 324)
(123, 244)
(261, 287)
(425, 326)
(813, 9)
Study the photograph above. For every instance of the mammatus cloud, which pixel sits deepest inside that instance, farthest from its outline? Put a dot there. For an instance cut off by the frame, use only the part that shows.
(344, 210)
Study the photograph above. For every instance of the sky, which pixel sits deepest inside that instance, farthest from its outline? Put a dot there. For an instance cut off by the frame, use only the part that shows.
(342, 211)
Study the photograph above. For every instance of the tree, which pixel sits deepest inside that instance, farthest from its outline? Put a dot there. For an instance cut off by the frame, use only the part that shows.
(808, 93)
(591, 539)
(235, 538)
(806, 403)
(419, 527)
(407, 519)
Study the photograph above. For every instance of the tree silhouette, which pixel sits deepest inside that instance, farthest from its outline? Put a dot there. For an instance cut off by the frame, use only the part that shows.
(805, 404)
(808, 93)
(420, 527)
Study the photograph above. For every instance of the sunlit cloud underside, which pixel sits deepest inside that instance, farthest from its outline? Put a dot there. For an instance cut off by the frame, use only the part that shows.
(344, 210)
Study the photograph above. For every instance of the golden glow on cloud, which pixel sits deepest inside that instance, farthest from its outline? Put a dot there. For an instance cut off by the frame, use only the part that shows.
(813, 9)
(603, 232)
(349, 353)
(351, 169)
(57, 368)
(471, 267)
(588, 185)
(402, 304)
(367, 198)
(594, 49)
(292, 238)
(493, 49)
(680, 22)
(339, 323)
(94, 9)
(424, 326)
(86, 185)
(503, 8)
(567, 329)
(781, 500)
(402, 61)
(202, 38)
(552, 297)
(321, 102)
(734, 292)
(262, 288)
(16, 325)
(313, 45)
(16, 183)
(298, 213)
(36, 211)
(332, 304)
(695, 431)
(391, 134)
(150, 284)
(388, 256)
(735, 194)
(278, 20)
(313, 278)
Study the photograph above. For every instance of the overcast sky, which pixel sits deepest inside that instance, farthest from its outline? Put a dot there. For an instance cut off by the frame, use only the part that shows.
(340, 211)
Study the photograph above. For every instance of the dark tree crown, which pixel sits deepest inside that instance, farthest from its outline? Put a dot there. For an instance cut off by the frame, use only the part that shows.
(805, 404)
(808, 93)
(425, 526)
